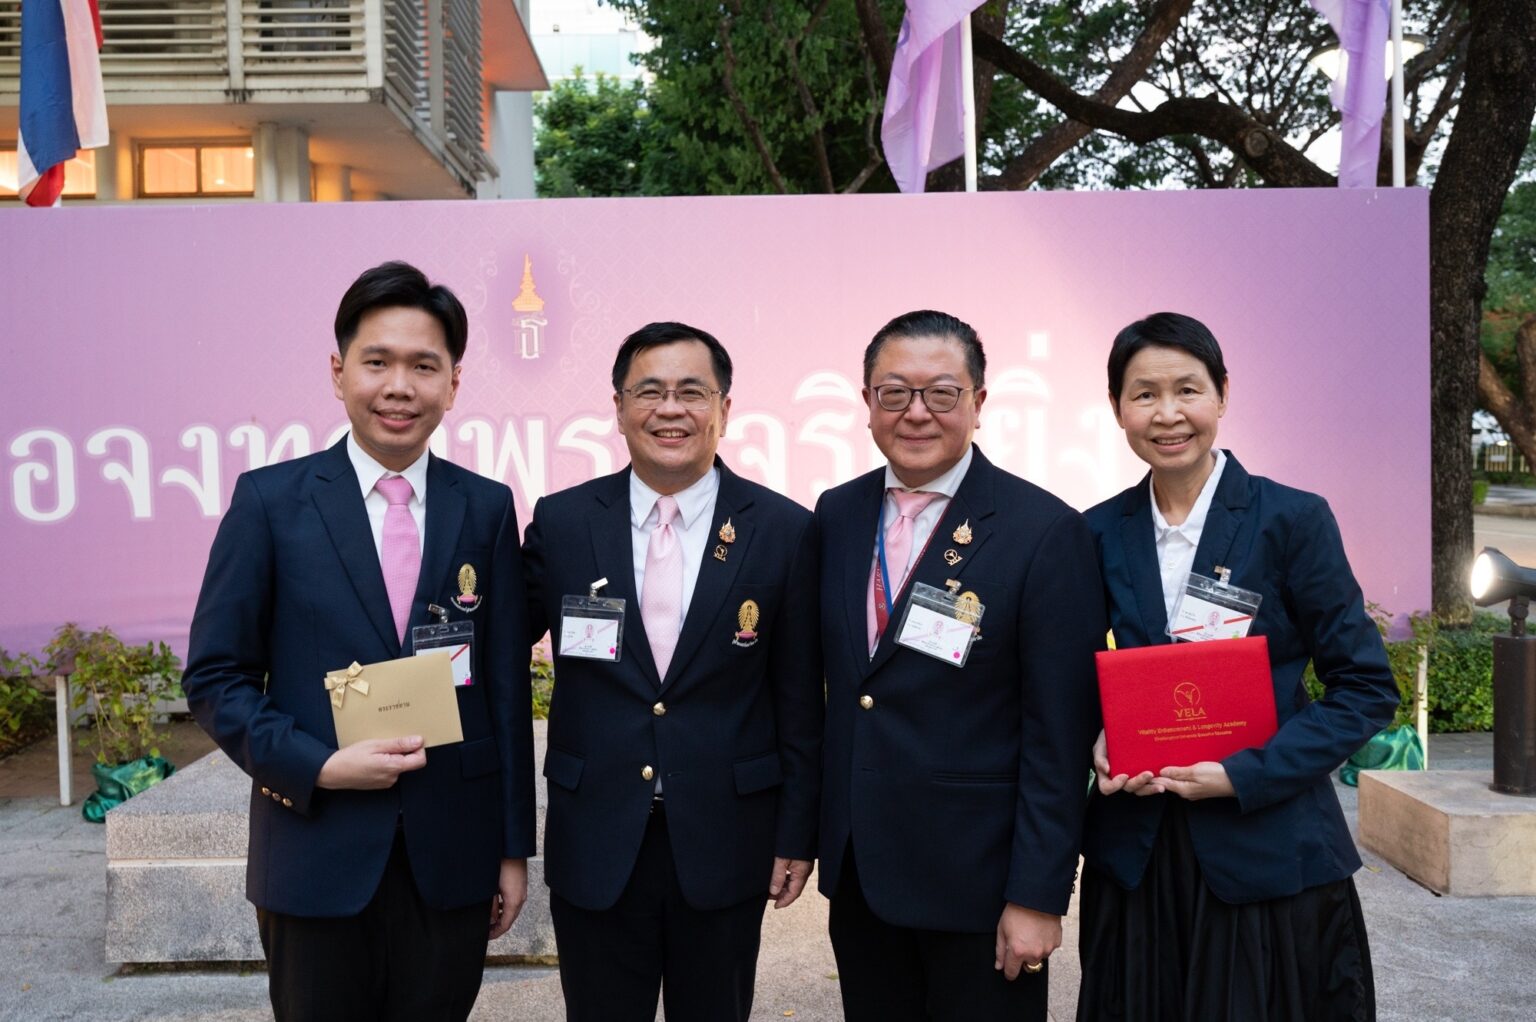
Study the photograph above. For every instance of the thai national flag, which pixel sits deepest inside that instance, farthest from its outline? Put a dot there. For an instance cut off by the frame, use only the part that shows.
(63, 107)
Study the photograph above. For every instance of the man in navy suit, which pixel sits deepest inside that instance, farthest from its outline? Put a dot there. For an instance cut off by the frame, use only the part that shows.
(378, 871)
(953, 795)
(684, 758)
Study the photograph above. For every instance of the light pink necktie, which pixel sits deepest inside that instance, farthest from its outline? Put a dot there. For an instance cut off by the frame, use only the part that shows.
(400, 550)
(898, 550)
(661, 604)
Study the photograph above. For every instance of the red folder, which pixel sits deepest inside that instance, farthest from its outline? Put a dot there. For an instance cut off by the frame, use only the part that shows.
(1173, 705)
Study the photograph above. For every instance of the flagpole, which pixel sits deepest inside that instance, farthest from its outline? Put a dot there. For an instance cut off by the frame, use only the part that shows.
(1398, 161)
(968, 102)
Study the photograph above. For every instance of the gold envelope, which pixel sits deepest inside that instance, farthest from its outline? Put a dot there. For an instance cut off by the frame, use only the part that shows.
(394, 698)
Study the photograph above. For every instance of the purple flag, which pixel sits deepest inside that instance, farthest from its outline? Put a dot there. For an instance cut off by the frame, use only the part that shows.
(924, 115)
(1360, 90)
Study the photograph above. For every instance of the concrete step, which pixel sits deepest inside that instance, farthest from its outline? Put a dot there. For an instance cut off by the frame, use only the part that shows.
(176, 872)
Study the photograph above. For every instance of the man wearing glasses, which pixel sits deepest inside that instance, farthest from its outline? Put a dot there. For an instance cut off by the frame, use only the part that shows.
(960, 609)
(685, 726)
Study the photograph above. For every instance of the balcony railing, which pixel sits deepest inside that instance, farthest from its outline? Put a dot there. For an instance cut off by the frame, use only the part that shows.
(424, 54)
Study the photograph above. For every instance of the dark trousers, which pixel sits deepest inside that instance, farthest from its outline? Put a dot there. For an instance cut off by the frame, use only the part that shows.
(396, 959)
(613, 962)
(897, 974)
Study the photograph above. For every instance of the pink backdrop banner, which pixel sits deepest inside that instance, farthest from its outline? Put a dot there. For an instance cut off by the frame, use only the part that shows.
(157, 352)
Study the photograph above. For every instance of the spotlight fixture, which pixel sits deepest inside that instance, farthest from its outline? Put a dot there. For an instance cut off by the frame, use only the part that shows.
(1496, 578)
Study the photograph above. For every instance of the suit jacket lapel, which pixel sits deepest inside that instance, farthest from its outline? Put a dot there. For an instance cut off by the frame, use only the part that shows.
(1226, 515)
(1140, 546)
(858, 541)
(445, 519)
(972, 503)
(715, 576)
(612, 547)
(341, 508)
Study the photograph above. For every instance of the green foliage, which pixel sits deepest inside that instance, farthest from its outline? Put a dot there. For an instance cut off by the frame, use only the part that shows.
(737, 80)
(592, 138)
(23, 707)
(542, 672)
(1479, 491)
(122, 685)
(1460, 670)
(1511, 274)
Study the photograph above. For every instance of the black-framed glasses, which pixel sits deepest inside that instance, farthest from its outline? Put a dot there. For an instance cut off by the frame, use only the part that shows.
(942, 397)
(691, 397)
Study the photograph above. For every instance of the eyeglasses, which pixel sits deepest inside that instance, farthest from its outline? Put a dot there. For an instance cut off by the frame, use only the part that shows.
(692, 398)
(893, 397)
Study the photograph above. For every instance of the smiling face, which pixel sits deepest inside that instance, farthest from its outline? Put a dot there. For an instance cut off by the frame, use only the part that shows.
(671, 447)
(919, 444)
(396, 379)
(1169, 408)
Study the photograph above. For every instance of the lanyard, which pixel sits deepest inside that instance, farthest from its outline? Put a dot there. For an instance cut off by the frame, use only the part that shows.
(885, 594)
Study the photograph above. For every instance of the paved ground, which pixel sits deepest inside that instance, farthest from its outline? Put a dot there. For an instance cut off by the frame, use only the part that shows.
(1459, 960)
(1515, 537)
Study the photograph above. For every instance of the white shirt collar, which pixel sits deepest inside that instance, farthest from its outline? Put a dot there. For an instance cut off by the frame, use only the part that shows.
(1195, 523)
(946, 485)
(370, 472)
(691, 503)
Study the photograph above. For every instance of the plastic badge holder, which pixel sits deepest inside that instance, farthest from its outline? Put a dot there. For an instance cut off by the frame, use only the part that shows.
(1210, 608)
(455, 638)
(941, 624)
(591, 627)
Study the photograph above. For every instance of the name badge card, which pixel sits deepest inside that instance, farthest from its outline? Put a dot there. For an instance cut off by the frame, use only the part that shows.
(941, 624)
(1210, 608)
(591, 626)
(455, 640)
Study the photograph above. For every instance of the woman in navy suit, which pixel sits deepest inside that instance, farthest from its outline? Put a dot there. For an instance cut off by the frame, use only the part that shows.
(1223, 890)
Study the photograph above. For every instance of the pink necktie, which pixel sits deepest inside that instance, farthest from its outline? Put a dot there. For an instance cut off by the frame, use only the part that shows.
(400, 550)
(898, 550)
(661, 604)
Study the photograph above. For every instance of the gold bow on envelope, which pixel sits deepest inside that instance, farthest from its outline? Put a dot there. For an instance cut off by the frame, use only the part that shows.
(413, 695)
(337, 684)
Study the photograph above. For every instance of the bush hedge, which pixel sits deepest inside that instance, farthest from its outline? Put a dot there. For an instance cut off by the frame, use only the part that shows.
(1460, 670)
(24, 710)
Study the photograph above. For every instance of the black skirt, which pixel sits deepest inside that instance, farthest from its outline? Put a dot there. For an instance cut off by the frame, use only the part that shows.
(1171, 951)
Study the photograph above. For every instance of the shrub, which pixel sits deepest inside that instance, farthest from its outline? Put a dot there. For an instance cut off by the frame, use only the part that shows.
(1460, 670)
(1479, 491)
(122, 685)
(23, 707)
(542, 672)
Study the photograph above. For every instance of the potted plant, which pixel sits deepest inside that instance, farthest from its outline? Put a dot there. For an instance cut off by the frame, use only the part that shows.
(123, 688)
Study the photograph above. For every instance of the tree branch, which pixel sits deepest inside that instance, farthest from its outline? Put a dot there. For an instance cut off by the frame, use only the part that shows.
(807, 101)
(1268, 154)
(1025, 169)
(877, 38)
(748, 122)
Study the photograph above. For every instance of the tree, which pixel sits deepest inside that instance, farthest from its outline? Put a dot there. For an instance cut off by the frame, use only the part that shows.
(753, 96)
(592, 138)
(1507, 370)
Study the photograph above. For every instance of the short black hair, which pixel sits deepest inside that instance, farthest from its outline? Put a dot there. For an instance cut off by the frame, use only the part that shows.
(928, 323)
(653, 334)
(1166, 330)
(401, 285)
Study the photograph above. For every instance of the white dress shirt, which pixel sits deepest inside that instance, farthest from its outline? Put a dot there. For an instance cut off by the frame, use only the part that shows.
(370, 472)
(695, 513)
(1176, 544)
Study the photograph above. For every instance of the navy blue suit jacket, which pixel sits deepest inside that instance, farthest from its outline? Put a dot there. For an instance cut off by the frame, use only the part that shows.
(961, 789)
(733, 730)
(1284, 832)
(294, 590)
